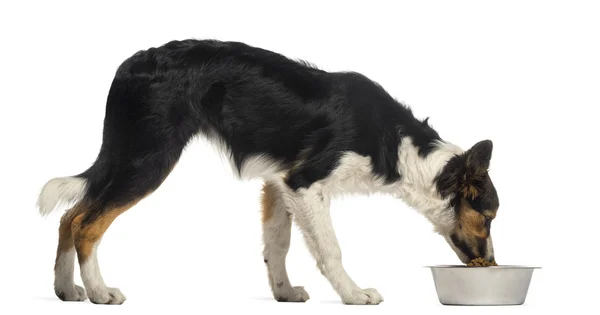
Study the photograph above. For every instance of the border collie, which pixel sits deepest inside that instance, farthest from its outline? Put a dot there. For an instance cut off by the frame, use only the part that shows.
(309, 134)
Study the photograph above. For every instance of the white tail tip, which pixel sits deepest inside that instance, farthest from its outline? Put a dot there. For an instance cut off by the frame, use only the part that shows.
(60, 190)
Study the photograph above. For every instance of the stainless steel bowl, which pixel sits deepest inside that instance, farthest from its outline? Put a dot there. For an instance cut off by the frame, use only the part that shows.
(494, 285)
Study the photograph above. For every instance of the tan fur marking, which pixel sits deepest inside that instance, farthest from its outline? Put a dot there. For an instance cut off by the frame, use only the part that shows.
(472, 223)
(65, 237)
(470, 191)
(85, 237)
(268, 201)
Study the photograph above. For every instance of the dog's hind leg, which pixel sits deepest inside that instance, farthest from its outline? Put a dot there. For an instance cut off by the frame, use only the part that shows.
(125, 186)
(277, 225)
(64, 267)
(87, 237)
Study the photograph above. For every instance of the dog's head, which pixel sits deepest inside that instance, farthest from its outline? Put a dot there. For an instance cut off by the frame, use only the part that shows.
(474, 200)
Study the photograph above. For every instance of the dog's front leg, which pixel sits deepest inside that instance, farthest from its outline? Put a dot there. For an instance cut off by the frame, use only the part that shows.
(311, 212)
(277, 228)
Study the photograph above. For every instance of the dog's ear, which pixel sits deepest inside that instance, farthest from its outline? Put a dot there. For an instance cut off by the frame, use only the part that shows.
(465, 173)
(477, 163)
(479, 156)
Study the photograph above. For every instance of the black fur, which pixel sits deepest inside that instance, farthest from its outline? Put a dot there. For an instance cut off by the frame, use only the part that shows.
(460, 176)
(481, 246)
(469, 169)
(255, 101)
(463, 247)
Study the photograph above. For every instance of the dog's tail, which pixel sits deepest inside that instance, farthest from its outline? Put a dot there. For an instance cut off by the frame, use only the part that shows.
(60, 191)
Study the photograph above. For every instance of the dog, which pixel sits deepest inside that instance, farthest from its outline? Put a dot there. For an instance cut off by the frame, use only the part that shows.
(309, 134)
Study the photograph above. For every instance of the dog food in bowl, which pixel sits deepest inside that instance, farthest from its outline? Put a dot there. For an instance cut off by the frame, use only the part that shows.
(480, 262)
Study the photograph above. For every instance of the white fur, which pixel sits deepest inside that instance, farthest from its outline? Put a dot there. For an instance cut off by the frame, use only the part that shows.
(310, 206)
(276, 238)
(58, 191)
(258, 166)
(64, 281)
(94, 284)
(310, 209)
(489, 247)
(65, 265)
(417, 186)
(354, 175)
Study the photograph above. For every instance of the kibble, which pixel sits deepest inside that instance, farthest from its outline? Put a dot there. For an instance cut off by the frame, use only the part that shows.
(480, 262)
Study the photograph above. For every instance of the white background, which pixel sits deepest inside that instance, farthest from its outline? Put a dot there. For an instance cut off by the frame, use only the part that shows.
(524, 74)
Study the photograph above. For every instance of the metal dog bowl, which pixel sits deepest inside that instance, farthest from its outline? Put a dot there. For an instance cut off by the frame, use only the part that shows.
(494, 285)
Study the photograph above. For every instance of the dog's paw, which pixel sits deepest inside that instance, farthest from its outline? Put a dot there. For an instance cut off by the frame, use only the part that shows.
(363, 297)
(75, 293)
(108, 296)
(295, 294)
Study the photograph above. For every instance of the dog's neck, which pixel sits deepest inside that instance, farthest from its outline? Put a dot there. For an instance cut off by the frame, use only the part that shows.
(417, 187)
